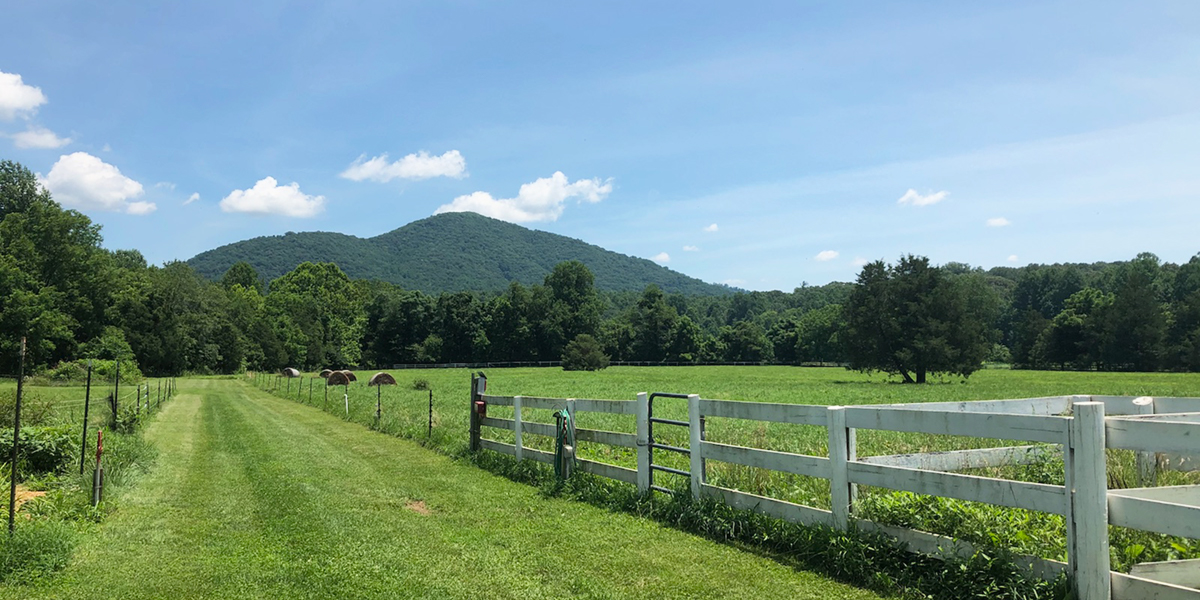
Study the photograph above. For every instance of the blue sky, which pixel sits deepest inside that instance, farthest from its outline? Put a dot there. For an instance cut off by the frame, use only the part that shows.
(813, 136)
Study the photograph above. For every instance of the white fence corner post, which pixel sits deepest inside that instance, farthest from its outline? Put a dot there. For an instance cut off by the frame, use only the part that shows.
(642, 415)
(696, 452)
(1090, 503)
(842, 449)
(519, 451)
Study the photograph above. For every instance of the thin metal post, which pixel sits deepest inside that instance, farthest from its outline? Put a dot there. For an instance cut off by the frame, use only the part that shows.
(310, 384)
(12, 471)
(87, 400)
(116, 403)
(430, 434)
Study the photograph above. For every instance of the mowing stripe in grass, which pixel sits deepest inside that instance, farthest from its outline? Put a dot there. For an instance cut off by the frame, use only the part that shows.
(257, 497)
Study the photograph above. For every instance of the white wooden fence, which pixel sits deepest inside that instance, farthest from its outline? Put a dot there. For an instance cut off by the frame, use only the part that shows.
(1080, 427)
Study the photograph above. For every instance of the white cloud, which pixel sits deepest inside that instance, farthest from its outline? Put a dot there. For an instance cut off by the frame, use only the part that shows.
(267, 197)
(915, 199)
(860, 261)
(825, 255)
(734, 282)
(141, 208)
(83, 181)
(38, 137)
(165, 185)
(18, 99)
(414, 166)
(661, 258)
(1012, 258)
(541, 200)
(711, 228)
(691, 248)
(107, 148)
(998, 222)
(194, 197)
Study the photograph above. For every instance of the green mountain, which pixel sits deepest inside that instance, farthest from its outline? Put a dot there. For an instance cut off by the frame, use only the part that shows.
(449, 252)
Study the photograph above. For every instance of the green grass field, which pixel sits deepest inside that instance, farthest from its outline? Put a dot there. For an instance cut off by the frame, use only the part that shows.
(257, 497)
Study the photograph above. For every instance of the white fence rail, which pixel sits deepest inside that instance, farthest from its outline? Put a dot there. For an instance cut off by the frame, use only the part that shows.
(1076, 427)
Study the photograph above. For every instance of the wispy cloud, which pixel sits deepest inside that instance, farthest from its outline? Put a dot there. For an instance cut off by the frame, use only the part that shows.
(711, 228)
(911, 197)
(860, 261)
(267, 197)
(421, 165)
(691, 248)
(541, 200)
(1012, 258)
(998, 222)
(194, 197)
(661, 258)
(38, 138)
(825, 255)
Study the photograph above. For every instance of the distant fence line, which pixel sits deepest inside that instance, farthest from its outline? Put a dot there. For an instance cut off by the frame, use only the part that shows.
(615, 363)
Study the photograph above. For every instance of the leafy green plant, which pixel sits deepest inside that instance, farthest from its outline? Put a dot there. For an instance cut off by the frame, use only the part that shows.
(43, 449)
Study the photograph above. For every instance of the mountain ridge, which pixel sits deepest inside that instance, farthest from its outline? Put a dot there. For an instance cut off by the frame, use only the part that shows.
(449, 252)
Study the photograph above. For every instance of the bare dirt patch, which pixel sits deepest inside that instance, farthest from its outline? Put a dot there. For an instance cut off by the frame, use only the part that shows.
(25, 495)
(418, 506)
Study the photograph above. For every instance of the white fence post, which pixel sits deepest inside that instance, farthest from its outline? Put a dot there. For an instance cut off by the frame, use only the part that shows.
(519, 452)
(1147, 462)
(842, 450)
(570, 456)
(697, 461)
(1090, 502)
(643, 442)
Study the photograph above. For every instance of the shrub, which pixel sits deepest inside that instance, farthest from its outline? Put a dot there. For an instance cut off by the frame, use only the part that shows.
(420, 384)
(103, 371)
(584, 353)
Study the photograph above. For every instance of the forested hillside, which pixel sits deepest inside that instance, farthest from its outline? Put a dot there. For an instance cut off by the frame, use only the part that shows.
(450, 252)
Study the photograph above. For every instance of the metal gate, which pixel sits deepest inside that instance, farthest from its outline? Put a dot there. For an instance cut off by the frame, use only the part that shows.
(653, 444)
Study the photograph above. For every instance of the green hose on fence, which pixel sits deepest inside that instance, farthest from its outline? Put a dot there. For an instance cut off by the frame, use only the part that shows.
(564, 447)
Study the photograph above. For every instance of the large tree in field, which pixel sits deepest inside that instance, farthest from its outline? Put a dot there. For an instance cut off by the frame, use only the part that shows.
(912, 319)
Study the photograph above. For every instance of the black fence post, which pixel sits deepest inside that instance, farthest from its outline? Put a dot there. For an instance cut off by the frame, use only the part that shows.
(87, 400)
(430, 434)
(116, 397)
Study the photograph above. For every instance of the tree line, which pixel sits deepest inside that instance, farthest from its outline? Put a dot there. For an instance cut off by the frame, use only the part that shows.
(75, 300)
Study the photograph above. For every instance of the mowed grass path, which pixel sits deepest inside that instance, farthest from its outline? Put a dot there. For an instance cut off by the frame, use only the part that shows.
(257, 497)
